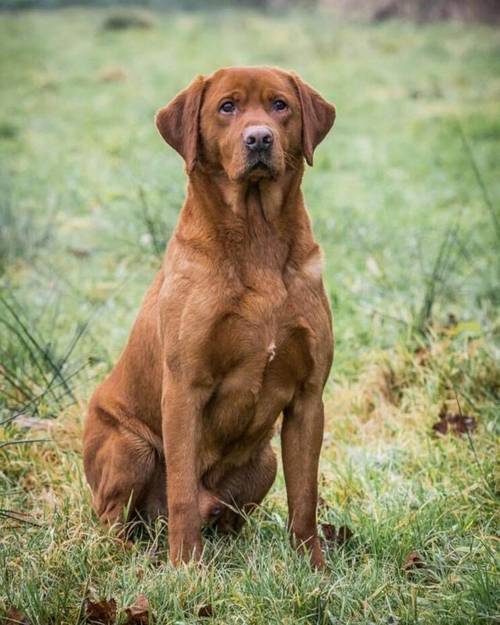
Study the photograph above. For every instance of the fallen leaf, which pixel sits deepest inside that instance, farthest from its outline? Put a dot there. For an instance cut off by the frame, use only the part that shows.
(413, 561)
(206, 611)
(334, 536)
(461, 424)
(138, 613)
(15, 617)
(456, 423)
(441, 427)
(100, 612)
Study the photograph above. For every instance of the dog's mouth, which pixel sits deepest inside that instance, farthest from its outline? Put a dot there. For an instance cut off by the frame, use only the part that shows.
(259, 167)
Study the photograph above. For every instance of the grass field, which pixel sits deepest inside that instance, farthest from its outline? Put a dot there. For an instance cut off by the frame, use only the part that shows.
(404, 198)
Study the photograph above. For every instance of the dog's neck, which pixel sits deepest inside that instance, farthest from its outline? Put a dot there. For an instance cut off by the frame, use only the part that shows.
(219, 194)
(253, 223)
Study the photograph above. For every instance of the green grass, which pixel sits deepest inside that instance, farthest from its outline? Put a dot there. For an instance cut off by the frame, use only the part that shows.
(404, 198)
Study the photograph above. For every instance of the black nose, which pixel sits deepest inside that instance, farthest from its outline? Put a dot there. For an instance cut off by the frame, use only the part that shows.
(258, 138)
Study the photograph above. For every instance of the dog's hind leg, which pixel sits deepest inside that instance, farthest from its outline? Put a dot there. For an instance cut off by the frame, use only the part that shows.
(121, 468)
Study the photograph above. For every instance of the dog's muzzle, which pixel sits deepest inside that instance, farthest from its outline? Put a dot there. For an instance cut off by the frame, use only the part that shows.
(258, 142)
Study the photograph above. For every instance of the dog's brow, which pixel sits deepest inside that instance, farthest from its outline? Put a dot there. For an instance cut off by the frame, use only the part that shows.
(273, 92)
(230, 95)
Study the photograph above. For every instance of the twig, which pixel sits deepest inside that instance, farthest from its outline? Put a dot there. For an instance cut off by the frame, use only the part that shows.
(19, 516)
(25, 441)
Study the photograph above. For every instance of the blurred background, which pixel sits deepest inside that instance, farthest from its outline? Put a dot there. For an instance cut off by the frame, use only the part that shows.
(404, 198)
(423, 10)
(403, 194)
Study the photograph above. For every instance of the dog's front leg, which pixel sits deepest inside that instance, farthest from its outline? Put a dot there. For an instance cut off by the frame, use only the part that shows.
(181, 415)
(301, 439)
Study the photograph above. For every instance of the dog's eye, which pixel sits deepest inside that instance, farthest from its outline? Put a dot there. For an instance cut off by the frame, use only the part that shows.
(279, 105)
(227, 107)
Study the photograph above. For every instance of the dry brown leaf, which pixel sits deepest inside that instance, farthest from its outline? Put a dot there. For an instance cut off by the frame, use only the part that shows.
(455, 423)
(441, 427)
(206, 611)
(100, 612)
(461, 424)
(413, 561)
(15, 617)
(334, 536)
(138, 613)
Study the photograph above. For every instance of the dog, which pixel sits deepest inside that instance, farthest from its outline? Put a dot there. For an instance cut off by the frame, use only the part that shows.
(235, 330)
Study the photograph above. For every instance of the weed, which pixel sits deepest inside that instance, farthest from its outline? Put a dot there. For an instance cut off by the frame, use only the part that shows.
(37, 373)
(21, 233)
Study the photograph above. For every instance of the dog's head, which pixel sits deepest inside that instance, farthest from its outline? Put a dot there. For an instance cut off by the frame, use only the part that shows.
(248, 122)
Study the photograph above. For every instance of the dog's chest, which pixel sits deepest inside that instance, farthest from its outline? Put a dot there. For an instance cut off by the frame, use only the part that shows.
(257, 360)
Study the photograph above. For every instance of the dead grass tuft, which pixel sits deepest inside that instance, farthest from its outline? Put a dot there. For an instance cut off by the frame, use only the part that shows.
(405, 388)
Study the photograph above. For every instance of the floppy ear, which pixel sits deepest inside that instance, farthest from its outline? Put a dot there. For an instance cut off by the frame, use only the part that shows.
(178, 122)
(317, 117)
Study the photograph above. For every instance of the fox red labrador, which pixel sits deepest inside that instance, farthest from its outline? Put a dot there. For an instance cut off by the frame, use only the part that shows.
(234, 331)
